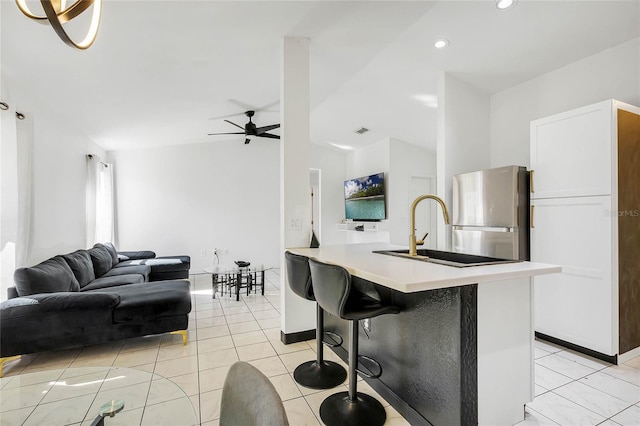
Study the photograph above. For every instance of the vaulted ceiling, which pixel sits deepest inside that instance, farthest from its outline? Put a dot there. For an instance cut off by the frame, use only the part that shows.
(160, 70)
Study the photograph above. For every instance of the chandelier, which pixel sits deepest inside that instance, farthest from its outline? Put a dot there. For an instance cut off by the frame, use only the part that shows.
(57, 13)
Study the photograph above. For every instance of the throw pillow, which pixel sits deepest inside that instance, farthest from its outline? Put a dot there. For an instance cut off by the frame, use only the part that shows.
(51, 276)
(80, 263)
(101, 259)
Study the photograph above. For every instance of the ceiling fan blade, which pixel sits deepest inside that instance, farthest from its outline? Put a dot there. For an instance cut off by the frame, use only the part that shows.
(266, 107)
(226, 116)
(264, 129)
(245, 107)
(268, 135)
(231, 122)
(236, 133)
(248, 107)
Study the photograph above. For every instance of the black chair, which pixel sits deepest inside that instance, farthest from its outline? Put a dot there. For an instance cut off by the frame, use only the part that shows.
(317, 374)
(336, 294)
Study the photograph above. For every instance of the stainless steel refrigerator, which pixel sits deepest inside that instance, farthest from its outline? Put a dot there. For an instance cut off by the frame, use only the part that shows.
(491, 213)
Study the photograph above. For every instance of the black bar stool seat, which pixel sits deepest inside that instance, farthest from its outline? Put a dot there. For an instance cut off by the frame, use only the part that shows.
(335, 293)
(319, 373)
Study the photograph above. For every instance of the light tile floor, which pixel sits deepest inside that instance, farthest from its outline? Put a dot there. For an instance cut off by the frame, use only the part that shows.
(571, 389)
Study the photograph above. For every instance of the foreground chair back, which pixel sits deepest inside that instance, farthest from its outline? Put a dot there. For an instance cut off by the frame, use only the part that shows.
(249, 399)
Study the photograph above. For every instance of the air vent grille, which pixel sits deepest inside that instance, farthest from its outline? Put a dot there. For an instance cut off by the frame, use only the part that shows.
(362, 130)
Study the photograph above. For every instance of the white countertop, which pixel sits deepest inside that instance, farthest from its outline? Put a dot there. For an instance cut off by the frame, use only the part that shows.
(409, 276)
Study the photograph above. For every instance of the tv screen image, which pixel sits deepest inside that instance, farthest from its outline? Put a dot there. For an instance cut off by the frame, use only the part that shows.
(364, 198)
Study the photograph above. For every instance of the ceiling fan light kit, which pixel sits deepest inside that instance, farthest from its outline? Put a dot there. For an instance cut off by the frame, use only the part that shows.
(250, 129)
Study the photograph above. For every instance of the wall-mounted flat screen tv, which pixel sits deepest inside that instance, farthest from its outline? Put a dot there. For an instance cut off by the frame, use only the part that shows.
(364, 198)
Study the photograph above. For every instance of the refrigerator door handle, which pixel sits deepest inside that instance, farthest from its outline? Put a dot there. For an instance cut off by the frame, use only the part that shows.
(484, 228)
(531, 182)
(531, 215)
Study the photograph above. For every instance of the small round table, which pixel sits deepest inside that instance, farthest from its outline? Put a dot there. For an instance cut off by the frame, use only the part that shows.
(231, 275)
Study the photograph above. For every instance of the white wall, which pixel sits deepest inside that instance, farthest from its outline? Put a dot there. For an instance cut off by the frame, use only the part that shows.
(407, 161)
(463, 138)
(59, 185)
(188, 199)
(58, 176)
(368, 160)
(612, 73)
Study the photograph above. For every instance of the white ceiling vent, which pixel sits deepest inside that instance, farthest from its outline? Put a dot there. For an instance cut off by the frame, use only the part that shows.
(362, 130)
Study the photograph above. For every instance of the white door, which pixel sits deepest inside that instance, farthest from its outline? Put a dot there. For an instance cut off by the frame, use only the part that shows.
(576, 305)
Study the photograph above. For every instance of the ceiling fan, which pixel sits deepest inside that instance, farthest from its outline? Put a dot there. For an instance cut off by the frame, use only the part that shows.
(250, 129)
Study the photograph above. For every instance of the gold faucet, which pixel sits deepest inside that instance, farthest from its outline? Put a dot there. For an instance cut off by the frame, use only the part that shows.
(413, 243)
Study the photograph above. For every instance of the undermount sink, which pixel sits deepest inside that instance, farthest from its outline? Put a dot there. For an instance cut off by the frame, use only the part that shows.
(459, 260)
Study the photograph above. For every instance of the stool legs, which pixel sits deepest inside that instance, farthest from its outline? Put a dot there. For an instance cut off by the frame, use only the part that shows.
(352, 408)
(319, 374)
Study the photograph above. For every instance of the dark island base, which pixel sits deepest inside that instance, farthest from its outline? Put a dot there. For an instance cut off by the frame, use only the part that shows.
(428, 354)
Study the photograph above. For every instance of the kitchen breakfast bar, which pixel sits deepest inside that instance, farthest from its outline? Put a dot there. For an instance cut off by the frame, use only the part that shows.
(461, 349)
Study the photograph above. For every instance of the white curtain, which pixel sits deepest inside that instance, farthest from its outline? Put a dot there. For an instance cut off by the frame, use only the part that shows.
(100, 202)
(24, 133)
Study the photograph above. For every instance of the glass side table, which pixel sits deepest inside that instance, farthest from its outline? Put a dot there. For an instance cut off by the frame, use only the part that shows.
(231, 276)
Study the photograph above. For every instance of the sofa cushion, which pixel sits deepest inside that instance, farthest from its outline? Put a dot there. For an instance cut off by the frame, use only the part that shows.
(113, 252)
(113, 281)
(140, 254)
(52, 275)
(143, 270)
(141, 303)
(101, 258)
(161, 264)
(80, 263)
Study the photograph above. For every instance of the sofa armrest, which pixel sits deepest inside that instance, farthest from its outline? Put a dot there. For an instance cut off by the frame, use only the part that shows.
(12, 292)
(136, 255)
(51, 321)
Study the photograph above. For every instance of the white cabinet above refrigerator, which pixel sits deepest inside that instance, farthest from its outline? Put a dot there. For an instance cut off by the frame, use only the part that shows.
(571, 152)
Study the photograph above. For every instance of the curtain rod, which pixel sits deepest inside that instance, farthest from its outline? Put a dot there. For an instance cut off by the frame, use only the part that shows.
(90, 157)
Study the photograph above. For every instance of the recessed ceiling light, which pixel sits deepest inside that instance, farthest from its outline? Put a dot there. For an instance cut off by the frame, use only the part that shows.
(505, 4)
(441, 43)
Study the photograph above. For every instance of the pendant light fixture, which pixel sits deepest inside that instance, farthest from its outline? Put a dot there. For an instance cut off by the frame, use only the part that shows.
(57, 14)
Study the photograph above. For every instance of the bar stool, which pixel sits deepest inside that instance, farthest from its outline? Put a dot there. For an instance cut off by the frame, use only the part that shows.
(317, 374)
(334, 292)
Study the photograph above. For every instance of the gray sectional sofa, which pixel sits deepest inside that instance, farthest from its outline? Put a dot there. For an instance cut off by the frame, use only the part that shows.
(93, 296)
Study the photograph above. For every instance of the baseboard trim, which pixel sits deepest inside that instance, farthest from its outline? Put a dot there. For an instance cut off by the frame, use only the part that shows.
(613, 359)
(299, 336)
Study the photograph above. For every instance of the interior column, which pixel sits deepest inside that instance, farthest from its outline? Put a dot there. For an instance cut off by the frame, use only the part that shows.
(297, 314)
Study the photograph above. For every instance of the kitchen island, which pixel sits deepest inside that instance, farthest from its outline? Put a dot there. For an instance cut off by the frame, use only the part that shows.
(461, 349)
